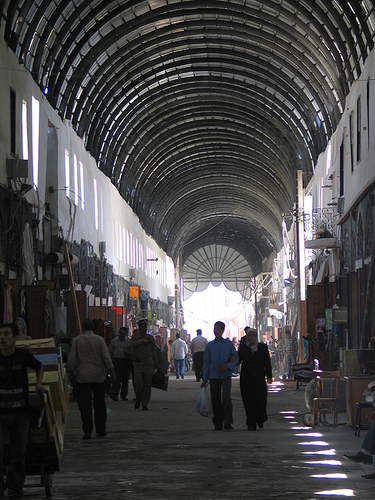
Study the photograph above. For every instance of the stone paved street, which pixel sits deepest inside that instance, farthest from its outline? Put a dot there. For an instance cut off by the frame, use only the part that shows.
(172, 452)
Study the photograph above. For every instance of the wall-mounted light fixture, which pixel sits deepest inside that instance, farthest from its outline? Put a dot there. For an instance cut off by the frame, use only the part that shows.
(55, 258)
(73, 259)
(153, 260)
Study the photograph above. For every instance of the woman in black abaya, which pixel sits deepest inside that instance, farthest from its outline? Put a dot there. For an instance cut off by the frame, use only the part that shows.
(256, 368)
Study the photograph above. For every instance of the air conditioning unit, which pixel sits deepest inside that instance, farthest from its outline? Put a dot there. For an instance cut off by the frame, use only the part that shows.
(132, 273)
(17, 168)
(102, 247)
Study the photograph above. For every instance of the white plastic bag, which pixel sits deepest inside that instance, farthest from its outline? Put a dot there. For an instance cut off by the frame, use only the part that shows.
(204, 406)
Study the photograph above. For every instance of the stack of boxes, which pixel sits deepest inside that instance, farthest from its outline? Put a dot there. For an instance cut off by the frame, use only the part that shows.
(55, 382)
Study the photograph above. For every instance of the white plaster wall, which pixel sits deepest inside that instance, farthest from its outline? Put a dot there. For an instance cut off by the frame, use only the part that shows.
(113, 211)
(363, 171)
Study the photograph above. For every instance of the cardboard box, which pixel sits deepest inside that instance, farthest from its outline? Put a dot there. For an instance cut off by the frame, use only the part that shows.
(57, 388)
(37, 343)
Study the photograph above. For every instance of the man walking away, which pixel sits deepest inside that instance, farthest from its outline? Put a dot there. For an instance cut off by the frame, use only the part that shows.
(89, 362)
(220, 357)
(145, 359)
(179, 351)
(119, 350)
(197, 347)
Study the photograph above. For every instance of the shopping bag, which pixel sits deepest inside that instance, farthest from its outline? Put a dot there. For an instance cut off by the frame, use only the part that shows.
(160, 381)
(204, 406)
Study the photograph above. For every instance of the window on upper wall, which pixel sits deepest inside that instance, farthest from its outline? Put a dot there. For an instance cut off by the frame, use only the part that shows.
(170, 273)
(162, 273)
(96, 206)
(134, 253)
(342, 168)
(12, 122)
(67, 173)
(127, 247)
(351, 141)
(124, 244)
(141, 259)
(101, 212)
(368, 113)
(136, 261)
(25, 133)
(328, 157)
(131, 256)
(75, 172)
(119, 242)
(35, 121)
(82, 185)
(359, 127)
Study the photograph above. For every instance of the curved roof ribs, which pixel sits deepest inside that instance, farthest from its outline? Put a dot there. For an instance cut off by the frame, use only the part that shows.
(199, 112)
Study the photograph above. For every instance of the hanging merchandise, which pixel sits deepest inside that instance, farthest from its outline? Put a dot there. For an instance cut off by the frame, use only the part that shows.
(28, 255)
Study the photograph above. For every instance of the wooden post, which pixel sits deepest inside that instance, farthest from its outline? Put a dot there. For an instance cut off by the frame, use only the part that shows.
(72, 288)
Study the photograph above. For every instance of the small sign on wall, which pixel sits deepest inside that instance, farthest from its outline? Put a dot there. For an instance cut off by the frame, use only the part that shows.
(134, 292)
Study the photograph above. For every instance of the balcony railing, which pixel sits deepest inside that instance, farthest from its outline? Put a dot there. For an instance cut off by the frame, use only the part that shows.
(320, 229)
(321, 224)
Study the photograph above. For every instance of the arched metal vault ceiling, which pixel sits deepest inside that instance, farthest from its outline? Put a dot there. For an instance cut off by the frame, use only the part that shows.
(200, 112)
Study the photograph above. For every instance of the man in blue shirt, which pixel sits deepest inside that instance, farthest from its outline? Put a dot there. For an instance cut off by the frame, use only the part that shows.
(220, 357)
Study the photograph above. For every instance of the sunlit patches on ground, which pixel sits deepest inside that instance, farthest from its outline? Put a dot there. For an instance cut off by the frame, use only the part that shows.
(328, 453)
(314, 443)
(311, 434)
(330, 476)
(333, 463)
(336, 493)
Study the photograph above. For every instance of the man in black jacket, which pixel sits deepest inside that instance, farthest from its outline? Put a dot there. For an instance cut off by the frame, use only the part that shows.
(14, 406)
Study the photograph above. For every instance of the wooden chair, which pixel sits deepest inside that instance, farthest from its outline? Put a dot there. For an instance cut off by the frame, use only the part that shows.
(326, 395)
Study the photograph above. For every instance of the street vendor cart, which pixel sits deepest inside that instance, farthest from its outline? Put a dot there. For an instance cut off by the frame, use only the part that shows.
(48, 415)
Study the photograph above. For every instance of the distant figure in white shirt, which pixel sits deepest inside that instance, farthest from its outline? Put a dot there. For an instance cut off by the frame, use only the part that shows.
(197, 346)
(179, 350)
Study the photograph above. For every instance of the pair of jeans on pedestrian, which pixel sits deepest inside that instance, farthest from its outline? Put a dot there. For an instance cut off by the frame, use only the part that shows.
(179, 365)
(221, 401)
(18, 427)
